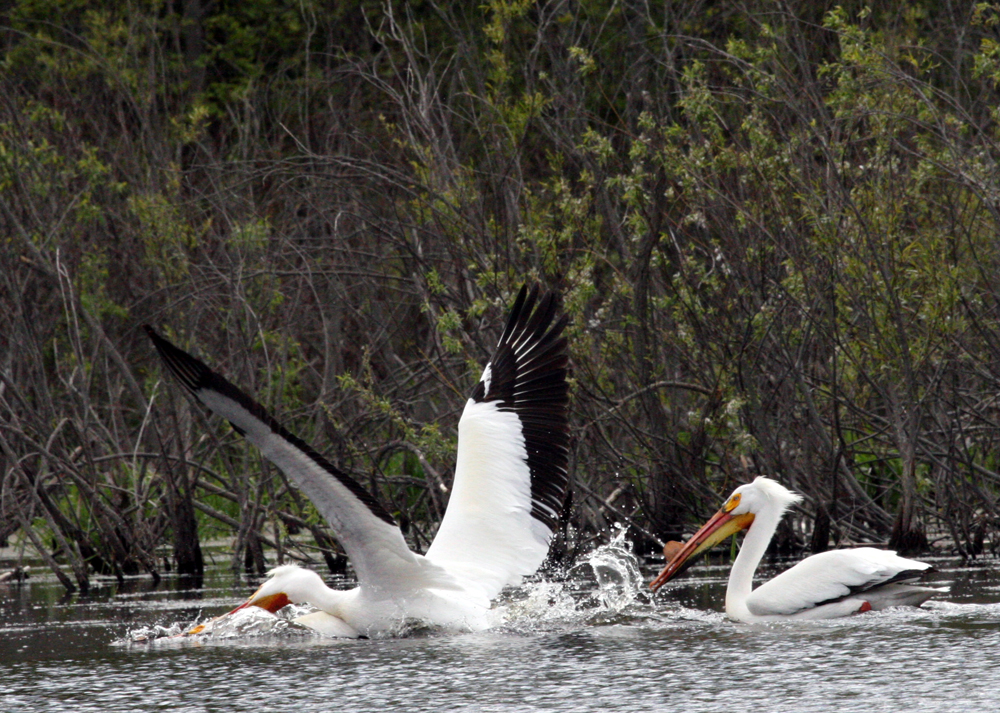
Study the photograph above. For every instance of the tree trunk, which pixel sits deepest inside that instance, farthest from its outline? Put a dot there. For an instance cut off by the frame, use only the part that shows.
(187, 548)
(183, 524)
(907, 535)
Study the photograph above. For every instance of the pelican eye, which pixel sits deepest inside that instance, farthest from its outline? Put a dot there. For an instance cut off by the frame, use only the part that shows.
(732, 503)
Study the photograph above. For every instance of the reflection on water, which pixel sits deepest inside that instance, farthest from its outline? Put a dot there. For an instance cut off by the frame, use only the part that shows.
(590, 640)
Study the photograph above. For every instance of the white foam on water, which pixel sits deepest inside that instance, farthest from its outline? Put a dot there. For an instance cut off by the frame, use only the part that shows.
(239, 624)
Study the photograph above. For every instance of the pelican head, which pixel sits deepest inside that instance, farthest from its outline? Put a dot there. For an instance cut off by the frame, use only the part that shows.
(763, 495)
(285, 585)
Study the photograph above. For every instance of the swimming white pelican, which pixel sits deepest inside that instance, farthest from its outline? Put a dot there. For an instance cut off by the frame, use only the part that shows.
(509, 487)
(824, 586)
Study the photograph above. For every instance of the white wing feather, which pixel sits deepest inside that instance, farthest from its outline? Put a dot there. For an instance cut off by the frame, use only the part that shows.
(488, 538)
(828, 576)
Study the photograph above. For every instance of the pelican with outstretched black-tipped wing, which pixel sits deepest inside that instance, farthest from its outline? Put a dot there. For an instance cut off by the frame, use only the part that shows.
(824, 586)
(510, 483)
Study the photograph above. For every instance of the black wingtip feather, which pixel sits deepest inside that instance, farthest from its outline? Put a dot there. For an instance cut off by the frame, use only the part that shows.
(190, 372)
(528, 377)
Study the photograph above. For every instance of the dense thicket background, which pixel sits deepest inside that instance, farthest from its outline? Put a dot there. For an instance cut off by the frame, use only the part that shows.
(774, 224)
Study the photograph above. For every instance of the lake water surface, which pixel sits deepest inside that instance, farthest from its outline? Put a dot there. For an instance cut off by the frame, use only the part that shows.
(590, 641)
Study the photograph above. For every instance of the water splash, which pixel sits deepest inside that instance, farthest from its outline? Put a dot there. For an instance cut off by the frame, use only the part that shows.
(146, 634)
(534, 604)
(244, 623)
(616, 569)
(601, 587)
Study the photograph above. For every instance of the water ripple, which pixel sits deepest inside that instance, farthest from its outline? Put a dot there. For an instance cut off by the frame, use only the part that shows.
(589, 640)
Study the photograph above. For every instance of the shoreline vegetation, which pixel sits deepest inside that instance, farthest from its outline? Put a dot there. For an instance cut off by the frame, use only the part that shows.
(774, 226)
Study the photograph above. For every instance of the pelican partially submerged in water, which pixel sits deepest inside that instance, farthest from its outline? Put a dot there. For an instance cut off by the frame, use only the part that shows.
(509, 487)
(824, 586)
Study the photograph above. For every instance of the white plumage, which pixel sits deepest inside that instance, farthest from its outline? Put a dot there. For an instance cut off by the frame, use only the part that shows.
(824, 586)
(509, 486)
(483, 551)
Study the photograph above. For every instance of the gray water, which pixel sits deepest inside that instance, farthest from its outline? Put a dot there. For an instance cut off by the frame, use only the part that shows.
(589, 641)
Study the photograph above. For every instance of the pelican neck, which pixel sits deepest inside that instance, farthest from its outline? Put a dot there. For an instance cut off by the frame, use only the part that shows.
(751, 552)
